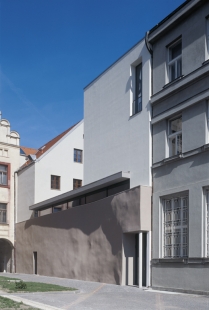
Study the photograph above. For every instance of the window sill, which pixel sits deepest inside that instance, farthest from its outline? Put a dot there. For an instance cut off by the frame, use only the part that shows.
(173, 82)
(132, 116)
(205, 62)
(183, 260)
(4, 224)
(181, 156)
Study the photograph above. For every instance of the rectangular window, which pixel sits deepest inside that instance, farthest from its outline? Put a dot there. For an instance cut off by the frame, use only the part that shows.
(207, 220)
(3, 175)
(3, 212)
(77, 183)
(174, 61)
(55, 182)
(36, 213)
(207, 37)
(78, 156)
(175, 136)
(137, 103)
(57, 209)
(175, 227)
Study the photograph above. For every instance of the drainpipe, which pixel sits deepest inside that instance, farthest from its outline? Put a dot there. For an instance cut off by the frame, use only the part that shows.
(15, 207)
(150, 50)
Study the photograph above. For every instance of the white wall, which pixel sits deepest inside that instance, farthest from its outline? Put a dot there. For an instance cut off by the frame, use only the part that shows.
(114, 141)
(34, 182)
(59, 161)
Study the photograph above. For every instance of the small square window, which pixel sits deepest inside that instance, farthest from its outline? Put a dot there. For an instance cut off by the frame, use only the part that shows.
(175, 136)
(77, 183)
(137, 103)
(175, 61)
(57, 209)
(3, 174)
(78, 156)
(55, 182)
(3, 212)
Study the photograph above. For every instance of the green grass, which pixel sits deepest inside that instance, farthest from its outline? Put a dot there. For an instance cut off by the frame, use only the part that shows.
(6, 303)
(10, 287)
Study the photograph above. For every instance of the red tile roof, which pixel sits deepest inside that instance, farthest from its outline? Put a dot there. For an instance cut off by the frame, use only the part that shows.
(28, 150)
(46, 146)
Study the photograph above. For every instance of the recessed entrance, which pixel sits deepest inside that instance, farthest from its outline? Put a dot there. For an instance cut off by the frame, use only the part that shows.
(35, 262)
(136, 259)
(5, 255)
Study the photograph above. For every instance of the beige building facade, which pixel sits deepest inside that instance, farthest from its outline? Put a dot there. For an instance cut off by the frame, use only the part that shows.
(9, 163)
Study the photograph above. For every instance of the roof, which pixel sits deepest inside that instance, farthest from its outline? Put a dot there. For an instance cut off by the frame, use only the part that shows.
(88, 188)
(45, 147)
(28, 150)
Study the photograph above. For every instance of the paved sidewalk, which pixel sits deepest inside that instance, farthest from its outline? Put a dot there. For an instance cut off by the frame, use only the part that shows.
(100, 296)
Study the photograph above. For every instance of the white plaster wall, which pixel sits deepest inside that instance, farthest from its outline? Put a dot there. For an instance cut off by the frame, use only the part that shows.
(34, 182)
(114, 141)
(59, 160)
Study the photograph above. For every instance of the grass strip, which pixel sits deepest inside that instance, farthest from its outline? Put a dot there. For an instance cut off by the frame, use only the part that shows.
(9, 285)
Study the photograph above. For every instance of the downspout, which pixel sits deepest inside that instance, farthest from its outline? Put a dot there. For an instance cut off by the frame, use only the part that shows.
(15, 207)
(150, 50)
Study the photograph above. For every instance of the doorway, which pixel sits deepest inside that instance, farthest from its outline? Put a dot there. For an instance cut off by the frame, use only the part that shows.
(35, 262)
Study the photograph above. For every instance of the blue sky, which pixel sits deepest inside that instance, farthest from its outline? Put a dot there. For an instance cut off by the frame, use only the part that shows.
(51, 49)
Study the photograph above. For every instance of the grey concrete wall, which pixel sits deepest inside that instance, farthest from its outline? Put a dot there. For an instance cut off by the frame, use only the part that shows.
(84, 242)
(192, 29)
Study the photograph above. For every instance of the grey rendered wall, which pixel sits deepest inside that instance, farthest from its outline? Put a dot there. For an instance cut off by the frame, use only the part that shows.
(180, 276)
(194, 131)
(114, 141)
(192, 29)
(84, 242)
(190, 174)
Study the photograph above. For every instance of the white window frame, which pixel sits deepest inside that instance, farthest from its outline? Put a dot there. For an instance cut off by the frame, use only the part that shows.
(3, 214)
(173, 61)
(175, 136)
(207, 37)
(206, 221)
(182, 223)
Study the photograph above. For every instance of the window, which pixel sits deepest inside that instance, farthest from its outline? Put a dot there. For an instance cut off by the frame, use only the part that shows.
(207, 220)
(3, 174)
(175, 227)
(175, 136)
(207, 36)
(77, 183)
(137, 103)
(55, 182)
(36, 213)
(174, 61)
(77, 156)
(57, 209)
(3, 213)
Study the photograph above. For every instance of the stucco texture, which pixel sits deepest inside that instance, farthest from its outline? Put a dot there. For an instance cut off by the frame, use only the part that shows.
(84, 242)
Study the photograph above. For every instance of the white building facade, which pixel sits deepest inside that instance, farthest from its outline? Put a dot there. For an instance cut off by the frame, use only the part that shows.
(56, 168)
(118, 138)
